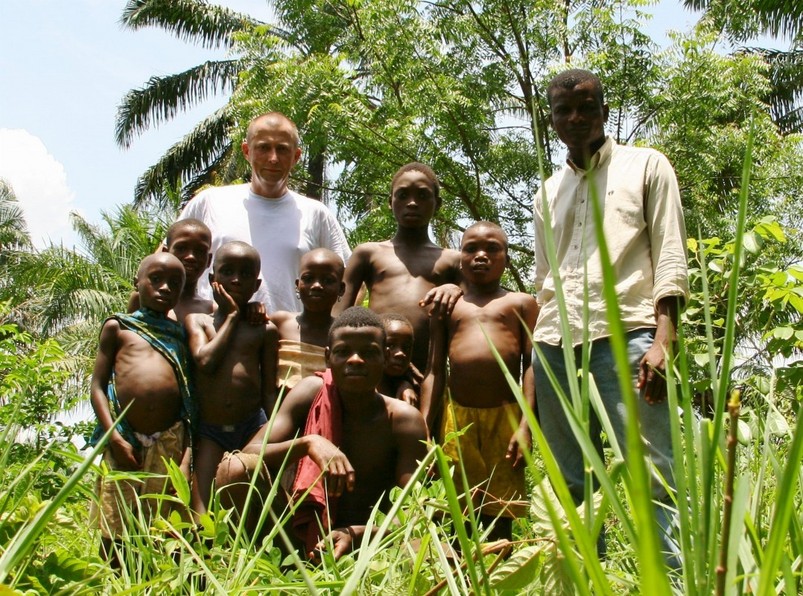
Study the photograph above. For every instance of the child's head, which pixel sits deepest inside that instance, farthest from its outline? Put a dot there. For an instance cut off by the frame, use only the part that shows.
(191, 242)
(236, 267)
(398, 343)
(320, 280)
(414, 195)
(483, 252)
(356, 350)
(159, 281)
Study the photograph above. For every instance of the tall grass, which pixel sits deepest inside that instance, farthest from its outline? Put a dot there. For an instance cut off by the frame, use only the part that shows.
(411, 552)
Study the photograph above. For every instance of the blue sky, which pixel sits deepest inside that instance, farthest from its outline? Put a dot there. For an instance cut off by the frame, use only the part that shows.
(65, 66)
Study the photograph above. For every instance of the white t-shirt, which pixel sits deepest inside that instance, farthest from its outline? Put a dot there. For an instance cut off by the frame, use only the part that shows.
(282, 230)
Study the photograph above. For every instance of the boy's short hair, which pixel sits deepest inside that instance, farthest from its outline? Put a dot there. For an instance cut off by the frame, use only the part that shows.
(244, 247)
(394, 317)
(415, 166)
(489, 224)
(183, 224)
(569, 79)
(356, 316)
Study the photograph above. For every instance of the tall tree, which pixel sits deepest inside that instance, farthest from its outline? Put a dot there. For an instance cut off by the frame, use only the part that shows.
(744, 21)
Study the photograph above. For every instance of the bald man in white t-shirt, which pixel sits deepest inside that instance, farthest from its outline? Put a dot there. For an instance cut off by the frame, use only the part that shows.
(281, 224)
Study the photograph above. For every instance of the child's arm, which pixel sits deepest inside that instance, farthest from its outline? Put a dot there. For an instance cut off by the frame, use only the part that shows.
(208, 346)
(268, 366)
(523, 437)
(124, 453)
(357, 270)
(435, 378)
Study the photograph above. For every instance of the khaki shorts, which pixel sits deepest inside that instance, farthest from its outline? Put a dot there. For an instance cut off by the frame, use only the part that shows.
(119, 499)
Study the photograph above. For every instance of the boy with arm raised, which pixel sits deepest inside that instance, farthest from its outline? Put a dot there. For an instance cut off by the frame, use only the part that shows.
(235, 364)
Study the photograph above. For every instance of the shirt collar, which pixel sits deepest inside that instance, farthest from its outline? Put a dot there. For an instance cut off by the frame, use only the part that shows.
(602, 155)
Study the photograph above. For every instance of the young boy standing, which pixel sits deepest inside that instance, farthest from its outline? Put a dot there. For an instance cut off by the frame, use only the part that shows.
(491, 448)
(235, 364)
(142, 364)
(190, 241)
(401, 271)
(302, 335)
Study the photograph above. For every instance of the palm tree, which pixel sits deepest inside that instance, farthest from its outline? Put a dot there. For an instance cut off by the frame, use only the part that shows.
(207, 154)
(776, 18)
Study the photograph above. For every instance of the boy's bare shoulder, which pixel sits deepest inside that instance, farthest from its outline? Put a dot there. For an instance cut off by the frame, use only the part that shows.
(368, 249)
(400, 412)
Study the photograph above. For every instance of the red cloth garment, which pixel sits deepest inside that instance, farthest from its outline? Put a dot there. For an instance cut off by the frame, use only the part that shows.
(325, 418)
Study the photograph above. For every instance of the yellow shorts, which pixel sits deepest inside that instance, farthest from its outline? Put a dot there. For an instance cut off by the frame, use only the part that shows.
(496, 487)
(119, 498)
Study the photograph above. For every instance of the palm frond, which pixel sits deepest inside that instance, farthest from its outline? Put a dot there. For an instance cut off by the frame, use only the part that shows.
(13, 227)
(190, 20)
(194, 153)
(163, 97)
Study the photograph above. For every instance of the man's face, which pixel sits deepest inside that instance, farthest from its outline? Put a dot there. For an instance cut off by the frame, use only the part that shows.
(578, 116)
(272, 152)
(356, 356)
(192, 246)
(159, 282)
(412, 200)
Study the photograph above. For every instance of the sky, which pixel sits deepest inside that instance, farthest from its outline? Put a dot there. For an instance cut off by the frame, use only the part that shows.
(64, 69)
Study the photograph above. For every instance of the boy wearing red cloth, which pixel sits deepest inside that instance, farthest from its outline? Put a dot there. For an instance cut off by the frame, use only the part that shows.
(365, 443)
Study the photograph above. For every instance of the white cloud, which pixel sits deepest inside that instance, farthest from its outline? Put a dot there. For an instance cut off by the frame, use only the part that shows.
(40, 185)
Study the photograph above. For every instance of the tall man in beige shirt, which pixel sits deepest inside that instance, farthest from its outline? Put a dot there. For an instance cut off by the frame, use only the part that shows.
(644, 231)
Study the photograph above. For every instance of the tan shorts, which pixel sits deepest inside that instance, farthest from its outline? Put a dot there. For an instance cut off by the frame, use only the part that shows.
(119, 499)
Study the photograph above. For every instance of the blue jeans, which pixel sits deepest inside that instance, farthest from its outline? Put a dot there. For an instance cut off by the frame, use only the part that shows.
(654, 420)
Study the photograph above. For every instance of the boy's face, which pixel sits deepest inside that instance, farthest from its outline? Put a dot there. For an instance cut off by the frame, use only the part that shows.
(356, 356)
(398, 347)
(238, 273)
(159, 281)
(193, 247)
(483, 254)
(412, 200)
(320, 284)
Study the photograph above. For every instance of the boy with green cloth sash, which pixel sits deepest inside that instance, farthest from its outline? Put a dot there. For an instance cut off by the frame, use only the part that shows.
(142, 365)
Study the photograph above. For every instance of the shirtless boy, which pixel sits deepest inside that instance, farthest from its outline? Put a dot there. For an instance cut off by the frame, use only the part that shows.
(401, 271)
(235, 364)
(400, 380)
(303, 335)
(492, 447)
(373, 445)
(190, 241)
(142, 362)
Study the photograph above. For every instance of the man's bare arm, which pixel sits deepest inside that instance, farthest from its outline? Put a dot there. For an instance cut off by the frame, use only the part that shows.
(434, 383)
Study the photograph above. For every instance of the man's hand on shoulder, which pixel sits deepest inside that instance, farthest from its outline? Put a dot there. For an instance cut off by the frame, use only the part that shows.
(256, 314)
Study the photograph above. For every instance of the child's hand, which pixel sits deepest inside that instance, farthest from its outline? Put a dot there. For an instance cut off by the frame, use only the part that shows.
(521, 440)
(124, 454)
(408, 394)
(442, 298)
(342, 543)
(224, 301)
(255, 314)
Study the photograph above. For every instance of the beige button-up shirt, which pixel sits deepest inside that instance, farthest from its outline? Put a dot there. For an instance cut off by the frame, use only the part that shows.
(644, 229)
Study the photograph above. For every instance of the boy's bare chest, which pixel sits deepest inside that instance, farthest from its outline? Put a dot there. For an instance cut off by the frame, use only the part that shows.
(400, 265)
